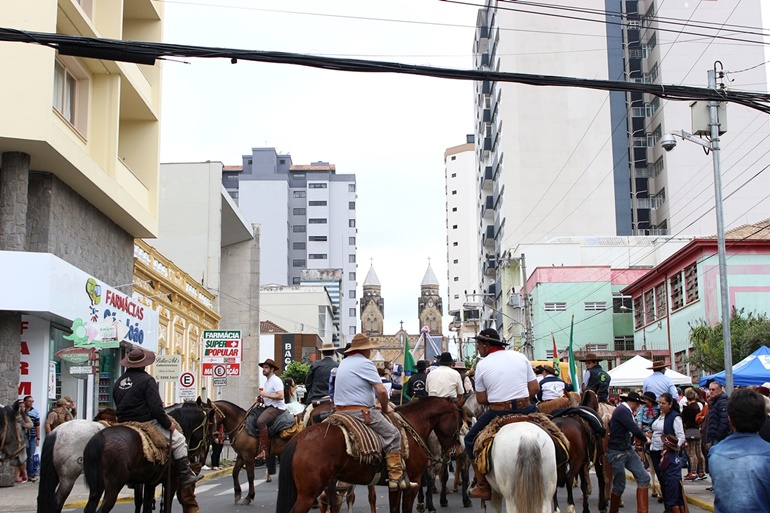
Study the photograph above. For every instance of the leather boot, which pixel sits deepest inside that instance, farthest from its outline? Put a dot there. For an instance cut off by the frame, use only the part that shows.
(183, 472)
(642, 500)
(482, 489)
(397, 480)
(615, 502)
(264, 443)
(677, 509)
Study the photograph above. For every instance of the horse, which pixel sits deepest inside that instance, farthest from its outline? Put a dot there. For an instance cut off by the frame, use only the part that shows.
(114, 457)
(304, 475)
(601, 463)
(582, 447)
(246, 447)
(11, 436)
(522, 469)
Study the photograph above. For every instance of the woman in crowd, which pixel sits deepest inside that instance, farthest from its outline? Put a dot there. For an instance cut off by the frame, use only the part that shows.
(692, 433)
(290, 397)
(670, 472)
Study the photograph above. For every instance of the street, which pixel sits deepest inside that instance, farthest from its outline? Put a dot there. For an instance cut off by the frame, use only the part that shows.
(217, 495)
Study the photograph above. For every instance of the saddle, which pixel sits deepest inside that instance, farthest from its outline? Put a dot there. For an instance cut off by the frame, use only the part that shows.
(361, 442)
(586, 414)
(483, 444)
(284, 421)
(154, 444)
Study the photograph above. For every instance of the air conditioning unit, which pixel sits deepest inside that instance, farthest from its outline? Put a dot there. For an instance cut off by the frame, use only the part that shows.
(514, 299)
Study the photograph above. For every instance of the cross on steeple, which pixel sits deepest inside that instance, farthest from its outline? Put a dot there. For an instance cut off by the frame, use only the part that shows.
(428, 260)
(402, 324)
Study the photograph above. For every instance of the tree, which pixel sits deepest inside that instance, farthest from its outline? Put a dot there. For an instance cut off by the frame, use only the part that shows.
(297, 371)
(747, 332)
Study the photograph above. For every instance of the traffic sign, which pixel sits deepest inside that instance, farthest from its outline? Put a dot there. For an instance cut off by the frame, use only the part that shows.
(219, 371)
(187, 380)
(220, 382)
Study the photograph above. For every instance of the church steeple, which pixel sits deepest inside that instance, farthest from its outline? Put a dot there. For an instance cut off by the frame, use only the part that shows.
(429, 307)
(372, 305)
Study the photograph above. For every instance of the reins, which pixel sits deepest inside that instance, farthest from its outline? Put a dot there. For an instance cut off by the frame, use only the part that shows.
(242, 424)
(403, 422)
(202, 441)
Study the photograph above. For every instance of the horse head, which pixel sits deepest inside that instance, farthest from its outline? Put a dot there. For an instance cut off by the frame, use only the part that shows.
(195, 425)
(441, 415)
(11, 439)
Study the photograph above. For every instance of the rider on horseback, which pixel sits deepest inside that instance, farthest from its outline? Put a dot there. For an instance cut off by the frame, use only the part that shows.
(137, 399)
(356, 385)
(596, 378)
(273, 396)
(504, 380)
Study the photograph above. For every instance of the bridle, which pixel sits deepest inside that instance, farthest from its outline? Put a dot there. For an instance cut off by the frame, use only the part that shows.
(446, 455)
(237, 429)
(204, 438)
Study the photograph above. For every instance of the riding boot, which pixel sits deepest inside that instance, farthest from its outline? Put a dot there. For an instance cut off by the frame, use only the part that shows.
(676, 509)
(642, 500)
(264, 443)
(482, 489)
(397, 480)
(615, 502)
(183, 472)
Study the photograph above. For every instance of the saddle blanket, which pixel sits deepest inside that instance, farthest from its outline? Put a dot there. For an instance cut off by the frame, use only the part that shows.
(361, 443)
(586, 414)
(483, 444)
(283, 421)
(154, 443)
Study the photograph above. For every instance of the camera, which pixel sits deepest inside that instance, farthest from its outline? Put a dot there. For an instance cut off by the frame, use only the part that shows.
(668, 142)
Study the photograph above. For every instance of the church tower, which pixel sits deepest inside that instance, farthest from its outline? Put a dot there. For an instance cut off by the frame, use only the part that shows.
(429, 307)
(372, 305)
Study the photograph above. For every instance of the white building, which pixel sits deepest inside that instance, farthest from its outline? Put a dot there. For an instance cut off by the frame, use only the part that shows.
(307, 215)
(299, 309)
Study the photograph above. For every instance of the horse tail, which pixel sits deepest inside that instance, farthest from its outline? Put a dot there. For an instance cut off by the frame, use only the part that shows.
(92, 462)
(528, 482)
(49, 478)
(287, 489)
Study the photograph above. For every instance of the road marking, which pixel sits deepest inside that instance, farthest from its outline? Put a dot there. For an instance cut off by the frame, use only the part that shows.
(205, 487)
(244, 488)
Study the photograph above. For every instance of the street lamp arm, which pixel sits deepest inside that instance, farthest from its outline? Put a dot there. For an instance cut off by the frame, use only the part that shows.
(687, 136)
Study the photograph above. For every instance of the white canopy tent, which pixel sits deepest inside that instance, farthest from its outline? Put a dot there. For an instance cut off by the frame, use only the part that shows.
(633, 372)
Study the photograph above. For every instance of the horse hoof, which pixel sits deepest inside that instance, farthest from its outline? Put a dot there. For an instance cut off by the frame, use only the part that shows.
(245, 502)
(444, 504)
(237, 498)
(570, 509)
(420, 507)
(431, 511)
(468, 504)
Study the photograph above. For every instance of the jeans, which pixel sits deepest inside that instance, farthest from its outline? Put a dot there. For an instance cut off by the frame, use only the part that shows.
(622, 460)
(487, 417)
(31, 447)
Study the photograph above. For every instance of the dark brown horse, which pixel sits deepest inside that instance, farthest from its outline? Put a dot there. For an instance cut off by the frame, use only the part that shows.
(604, 410)
(304, 475)
(582, 447)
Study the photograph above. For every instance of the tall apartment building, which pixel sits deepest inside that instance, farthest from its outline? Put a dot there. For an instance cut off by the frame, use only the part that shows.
(559, 162)
(307, 215)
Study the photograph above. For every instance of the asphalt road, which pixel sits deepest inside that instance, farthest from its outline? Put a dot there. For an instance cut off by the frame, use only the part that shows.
(216, 496)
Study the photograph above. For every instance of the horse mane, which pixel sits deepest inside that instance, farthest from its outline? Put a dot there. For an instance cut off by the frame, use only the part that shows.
(589, 399)
(232, 405)
(189, 415)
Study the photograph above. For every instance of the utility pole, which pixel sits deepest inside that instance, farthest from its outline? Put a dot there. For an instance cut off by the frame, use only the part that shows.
(529, 349)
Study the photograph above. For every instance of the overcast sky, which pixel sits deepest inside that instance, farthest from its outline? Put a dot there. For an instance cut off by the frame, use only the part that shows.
(390, 130)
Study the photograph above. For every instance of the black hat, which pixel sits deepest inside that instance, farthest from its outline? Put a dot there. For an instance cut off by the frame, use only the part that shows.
(490, 336)
(446, 359)
(421, 365)
(650, 396)
(342, 351)
(631, 396)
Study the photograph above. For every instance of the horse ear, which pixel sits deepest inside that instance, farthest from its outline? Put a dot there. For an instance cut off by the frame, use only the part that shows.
(199, 401)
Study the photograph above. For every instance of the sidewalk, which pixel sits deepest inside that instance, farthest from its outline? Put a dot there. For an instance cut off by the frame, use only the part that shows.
(696, 493)
(23, 497)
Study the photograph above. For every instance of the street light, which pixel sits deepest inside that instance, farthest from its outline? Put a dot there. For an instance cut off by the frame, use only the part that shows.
(669, 143)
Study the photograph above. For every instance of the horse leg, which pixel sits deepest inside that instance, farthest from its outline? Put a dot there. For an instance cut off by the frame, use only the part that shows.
(139, 498)
(372, 499)
(250, 474)
(110, 497)
(430, 482)
(443, 478)
(584, 488)
(94, 494)
(497, 503)
(600, 470)
(465, 479)
(63, 491)
(571, 480)
(236, 478)
(420, 494)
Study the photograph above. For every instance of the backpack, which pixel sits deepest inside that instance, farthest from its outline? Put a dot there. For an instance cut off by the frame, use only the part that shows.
(61, 418)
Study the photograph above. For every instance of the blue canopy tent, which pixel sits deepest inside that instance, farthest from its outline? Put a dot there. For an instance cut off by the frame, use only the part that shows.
(752, 370)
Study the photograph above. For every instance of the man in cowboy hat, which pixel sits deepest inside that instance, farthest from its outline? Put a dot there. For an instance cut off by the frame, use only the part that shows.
(622, 456)
(317, 380)
(416, 386)
(551, 386)
(355, 390)
(137, 398)
(444, 381)
(595, 378)
(272, 396)
(658, 382)
(506, 382)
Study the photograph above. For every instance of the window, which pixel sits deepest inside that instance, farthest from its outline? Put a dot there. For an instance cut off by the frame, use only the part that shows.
(298, 262)
(456, 278)
(594, 306)
(299, 176)
(295, 281)
(454, 226)
(352, 276)
(351, 312)
(317, 220)
(677, 299)
(660, 301)
(621, 304)
(351, 187)
(351, 205)
(64, 92)
(298, 245)
(316, 186)
(352, 294)
(455, 261)
(454, 209)
(457, 296)
(298, 211)
(555, 307)
(454, 175)
(624, 343)
(454, 157)
(321, 321)
(317, 203)
(649, 306)
(635, 53)
(454, 193)
(352, 241)
(654, 72)
(638, 313)
(318, 256)
(691, 283)
(317, 238)
(352, 259)
(352, 330)
(298, 228)
(300, 194)
(351, 223)
(282, 161)
(454, 244)
(232, 177)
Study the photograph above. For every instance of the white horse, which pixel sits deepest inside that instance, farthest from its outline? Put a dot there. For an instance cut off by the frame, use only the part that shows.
(61, 462)
(523, 469)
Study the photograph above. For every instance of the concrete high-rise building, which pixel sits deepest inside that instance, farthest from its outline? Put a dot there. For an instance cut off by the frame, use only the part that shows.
(567, 161)
(307, 215)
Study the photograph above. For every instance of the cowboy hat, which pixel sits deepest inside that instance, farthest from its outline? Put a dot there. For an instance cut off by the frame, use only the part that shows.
(658, 365)
(590, 357)
(549, 369)
(421, 365)
(361, 342)
(62, 402)
(631, 396)
(446, 359)
(460, 365)
(271, 363)
(490, 336)
(137, 359)
(327, 346)
(649, 396)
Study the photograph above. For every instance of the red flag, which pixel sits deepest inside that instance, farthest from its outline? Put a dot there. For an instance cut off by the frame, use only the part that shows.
(555, 355)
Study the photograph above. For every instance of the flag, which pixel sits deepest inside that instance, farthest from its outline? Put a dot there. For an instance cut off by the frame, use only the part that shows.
(409, 368)
(572, 366)
(555, 355)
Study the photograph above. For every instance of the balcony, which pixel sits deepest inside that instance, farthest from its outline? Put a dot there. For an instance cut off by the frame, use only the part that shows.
(489, 267)
(487, 179)
(486, 116)
(488, 237)
(486, 86)
(486, 146)
(488, 207)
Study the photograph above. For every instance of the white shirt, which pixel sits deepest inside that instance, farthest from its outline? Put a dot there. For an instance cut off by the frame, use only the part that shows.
(504, 375)
(444, 382)
(272, 386)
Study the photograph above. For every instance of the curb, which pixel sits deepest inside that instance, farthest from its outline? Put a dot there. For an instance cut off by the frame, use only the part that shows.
(129, 499)
(691, 499)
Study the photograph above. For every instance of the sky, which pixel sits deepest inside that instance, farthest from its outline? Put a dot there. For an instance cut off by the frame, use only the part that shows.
(390, 130)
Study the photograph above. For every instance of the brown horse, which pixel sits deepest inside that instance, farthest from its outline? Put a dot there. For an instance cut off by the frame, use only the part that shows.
(582, 447)
(304, 475)
(604, 410)
(233, 417)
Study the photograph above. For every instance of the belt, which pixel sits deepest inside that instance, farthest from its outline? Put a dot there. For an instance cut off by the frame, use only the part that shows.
(515, 404)
(352, 407)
